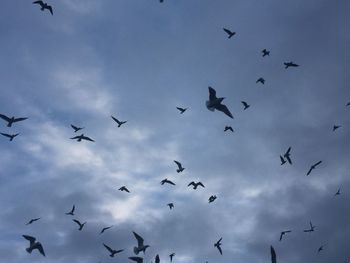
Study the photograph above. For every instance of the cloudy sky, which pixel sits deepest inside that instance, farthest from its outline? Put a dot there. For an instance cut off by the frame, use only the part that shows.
(138, 60)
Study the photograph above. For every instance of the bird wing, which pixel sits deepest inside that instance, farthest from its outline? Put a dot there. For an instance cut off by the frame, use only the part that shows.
(244, 103)
(180, 109)
(108, 248)
(76, 221)
(19, 119)
(170, 182)
(220, 250)
(6, 135)
(212, 93)
(4, 117)
(191, 183)
(76, 137)
(227, 31)
(40, 248)
(318, 163)
(137, 259)
(178, 164)
(224, 109)
(273, 255)
(139, 239)
(29, 238)
(115, 119)
(39, 2)
(118, 251)
(288, 151)
(200, 183)
(288, 159)
(87, 138)
(50, 9)
(282, 160)
(157, 260)
(310, 170)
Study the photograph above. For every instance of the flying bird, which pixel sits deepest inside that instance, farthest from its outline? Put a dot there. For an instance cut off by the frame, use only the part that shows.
(290, 64)
(261, 80)
(320, 249)
(44, 6)
(11, 136)
(82, 137)
(335, 127)
(228, 128)
(104, 229)
(75, 128)
(11, 120)
(171, 256)
(283, 233)
(34, 245)
(171, 205)
(182, 110)
(338, 192)
(218, 245)
(123, 188)
(112, 251)
(81, 225)
(140, 244)
(137, 259)
(212, 198)
(348, 104)
(157, 259)
(214, 103)
(245, 104)
(287, 155)
(265, 52)
(282, 160)
(313, 167)
(195, 185)
(273, 255)
(229, 32)
(312, 228)
(71, 212)
(120, 123)
(179, 167)
(31, 221)
(166, 181)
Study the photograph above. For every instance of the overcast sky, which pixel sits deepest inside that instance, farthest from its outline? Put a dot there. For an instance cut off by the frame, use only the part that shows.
(138, 60)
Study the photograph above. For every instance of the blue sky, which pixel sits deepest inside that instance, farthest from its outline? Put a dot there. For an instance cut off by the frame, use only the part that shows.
(138, 60)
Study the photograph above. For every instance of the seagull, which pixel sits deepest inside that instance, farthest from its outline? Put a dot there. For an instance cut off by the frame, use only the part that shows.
(140, 246)
(137, 259)
(313, 167)
(179, 166)
(105, 228)
(82, 137)
(120, 123)
(312, 228)
(261, 80)
(229, 32)
(11, 136)
(273, 255)
(71, 213)
(182, 110)
(195, 185)
(290, 64)
(11, 120)
(218, 245)
(228, 128)
(265, 52)
(44, 6)
(338, 192)
(287, 155)
(171, 256)
(81, 225)
(171, 205)
(214, 103)
(123, 188)
(335, 127)
(212, 198)
(246, 105)
(31, 221)
(283, 233)
(320, 249)
(75, 128)
(34, 245)
(282, 160)
(112, 251)
(166, 181)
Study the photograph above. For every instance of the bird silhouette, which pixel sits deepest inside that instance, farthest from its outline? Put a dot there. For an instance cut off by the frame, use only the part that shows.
(212, 198)
(265, 52)
(75, 128)
(81, 225)
(140, 244)
(157, 259)
(123, 188)
(166, 181)
(313, 167)
(290, 64)
(261, 80)
(171, 256)
(138, 259)
(10, 136)
(245, 104)
(283, 233)
(112, 251)
(229, 32)
(273, 255)
(195, 185)
(171, 205)
(44, 6)
(214, 103)
(82, 137)
(71, 212)
(312, 228)
(179, 167)
(31, 221)
(335, 127)
(348, 104)
(338, 192)
(104, 229)
(287, 155)
(34, 245)
(11, 120)
(320, 249)
(228, 128)
(218, 245)
(120, 123)
(282, 160)
(182, 110)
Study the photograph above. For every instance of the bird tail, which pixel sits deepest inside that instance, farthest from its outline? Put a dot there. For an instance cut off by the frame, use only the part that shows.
(136, 250)
(207, 103)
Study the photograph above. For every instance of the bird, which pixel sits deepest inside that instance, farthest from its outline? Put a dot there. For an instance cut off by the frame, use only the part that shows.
(179, 167)
(261, 80)
(287, 155)
(171, 205)
(282, 160)
(283, 233)
(195, 185)
(75, 128)
(338, 192)
(229, 32)
(71, 212)
(11, 136)
(265, 52)
(214, 103)
(31, 221)
(120, 123)
(171, 256)
(11, 120)
(320, 249)
(245, 104)
(44, 6)
(273, 255)
(212, 198)
(81, 225)
(34, 245)
(112, 251)
(313, 167)
(137, 259)
(348, 104)
(182, 110)
(218, 245)
(123, 188)
(140, 244)
(290, 64)
(82, 137)
(105, 228)
(166, 181)
(335, 127)
(312, 228)
(157, 259)
(228, 128)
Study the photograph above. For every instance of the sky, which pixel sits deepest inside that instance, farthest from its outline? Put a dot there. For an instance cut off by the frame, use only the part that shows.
(140, 59)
